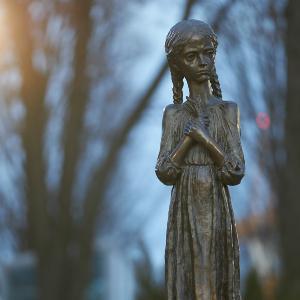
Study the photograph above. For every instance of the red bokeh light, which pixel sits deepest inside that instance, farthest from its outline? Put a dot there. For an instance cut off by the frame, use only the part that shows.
(263, 120)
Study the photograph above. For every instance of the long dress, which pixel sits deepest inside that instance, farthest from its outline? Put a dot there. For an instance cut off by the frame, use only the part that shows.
(202, 251)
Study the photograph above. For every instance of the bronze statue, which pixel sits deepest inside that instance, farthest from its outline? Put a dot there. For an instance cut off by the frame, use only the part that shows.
(200, 154)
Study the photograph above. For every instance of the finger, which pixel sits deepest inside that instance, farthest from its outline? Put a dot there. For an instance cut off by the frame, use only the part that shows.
(187, 131)
(227, 166)
(231, 164)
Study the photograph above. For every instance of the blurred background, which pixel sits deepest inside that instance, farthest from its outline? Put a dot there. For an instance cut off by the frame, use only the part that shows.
(83, 85)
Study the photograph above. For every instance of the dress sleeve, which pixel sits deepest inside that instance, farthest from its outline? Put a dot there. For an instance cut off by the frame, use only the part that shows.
(233, 169)
(165, 170)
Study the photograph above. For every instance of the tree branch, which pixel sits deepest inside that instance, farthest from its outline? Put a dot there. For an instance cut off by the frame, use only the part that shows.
(33, 90)
(102, 176)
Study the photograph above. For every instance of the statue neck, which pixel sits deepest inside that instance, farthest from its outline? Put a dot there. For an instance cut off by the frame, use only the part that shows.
(199, 92)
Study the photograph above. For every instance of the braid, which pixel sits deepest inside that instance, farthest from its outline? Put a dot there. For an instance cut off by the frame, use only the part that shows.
(215, 84)
(177, 80)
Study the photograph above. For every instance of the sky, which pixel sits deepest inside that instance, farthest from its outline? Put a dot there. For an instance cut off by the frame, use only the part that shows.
(149, 198)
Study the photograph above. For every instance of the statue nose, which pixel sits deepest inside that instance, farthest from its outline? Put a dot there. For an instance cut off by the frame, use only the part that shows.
(202, 61)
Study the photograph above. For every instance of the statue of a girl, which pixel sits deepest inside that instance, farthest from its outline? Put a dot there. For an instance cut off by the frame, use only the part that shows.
(200, 154)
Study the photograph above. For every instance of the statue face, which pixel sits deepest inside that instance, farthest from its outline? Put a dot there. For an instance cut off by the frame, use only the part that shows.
(196, 60)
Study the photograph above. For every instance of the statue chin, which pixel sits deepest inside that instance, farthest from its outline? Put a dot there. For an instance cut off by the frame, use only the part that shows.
(199, 78)
(202, 78)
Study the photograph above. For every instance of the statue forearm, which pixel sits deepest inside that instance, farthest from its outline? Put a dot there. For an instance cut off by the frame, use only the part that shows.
(179, 153)
(217, 154)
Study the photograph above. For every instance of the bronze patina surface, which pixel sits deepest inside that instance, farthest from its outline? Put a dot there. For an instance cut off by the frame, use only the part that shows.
(200, 155)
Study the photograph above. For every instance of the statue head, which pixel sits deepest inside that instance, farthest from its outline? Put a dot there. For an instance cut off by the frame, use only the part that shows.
(190, 48)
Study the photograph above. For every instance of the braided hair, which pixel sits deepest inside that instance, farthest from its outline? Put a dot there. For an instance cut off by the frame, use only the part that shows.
(215, 84)
(177, 80)
(177, 38)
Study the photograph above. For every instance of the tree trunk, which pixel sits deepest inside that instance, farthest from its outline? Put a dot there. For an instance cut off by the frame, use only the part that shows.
(289, 204)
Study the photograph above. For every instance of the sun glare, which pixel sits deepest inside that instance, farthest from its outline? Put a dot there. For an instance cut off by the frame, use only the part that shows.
(3, 27)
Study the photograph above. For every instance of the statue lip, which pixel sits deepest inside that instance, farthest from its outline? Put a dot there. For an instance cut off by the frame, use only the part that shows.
(202, 72)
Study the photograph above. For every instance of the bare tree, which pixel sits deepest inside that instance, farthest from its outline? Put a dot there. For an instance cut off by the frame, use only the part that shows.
(61, 237)
(274, 44)
(61, 224)
(289, 207)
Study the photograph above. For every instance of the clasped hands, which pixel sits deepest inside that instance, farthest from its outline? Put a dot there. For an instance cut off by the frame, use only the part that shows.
(197, 129)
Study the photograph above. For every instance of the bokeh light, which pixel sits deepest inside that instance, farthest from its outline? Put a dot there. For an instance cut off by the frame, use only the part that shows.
(263, 120)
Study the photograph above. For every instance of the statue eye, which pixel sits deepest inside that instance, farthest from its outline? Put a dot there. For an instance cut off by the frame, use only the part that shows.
(210, 52)
(190, 56)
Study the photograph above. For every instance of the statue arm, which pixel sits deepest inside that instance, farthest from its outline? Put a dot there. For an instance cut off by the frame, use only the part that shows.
(230, 163)
(233, 169)
(198, 133)
(166, 170)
